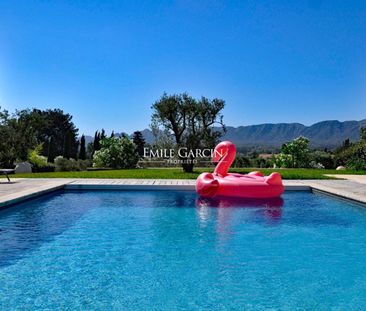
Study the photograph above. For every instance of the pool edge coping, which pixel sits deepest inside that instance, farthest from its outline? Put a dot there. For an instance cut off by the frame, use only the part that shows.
(79, 185)
(29, 196)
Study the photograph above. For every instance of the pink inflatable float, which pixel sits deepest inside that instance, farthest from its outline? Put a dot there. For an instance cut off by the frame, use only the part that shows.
(222, 183)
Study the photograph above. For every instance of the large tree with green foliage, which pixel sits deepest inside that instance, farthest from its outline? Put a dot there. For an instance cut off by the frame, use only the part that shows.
(190, 121)
(294, 154)
(16, 138)
(116, 153)
(26, 129)
(51, 123)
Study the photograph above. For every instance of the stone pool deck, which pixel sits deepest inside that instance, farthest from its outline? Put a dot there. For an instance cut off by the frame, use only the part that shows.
(352, 187)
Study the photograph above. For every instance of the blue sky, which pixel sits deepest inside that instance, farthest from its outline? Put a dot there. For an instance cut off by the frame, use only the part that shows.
(106, 62)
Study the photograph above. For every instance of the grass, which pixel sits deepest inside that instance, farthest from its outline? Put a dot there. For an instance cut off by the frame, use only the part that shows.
(177, 173)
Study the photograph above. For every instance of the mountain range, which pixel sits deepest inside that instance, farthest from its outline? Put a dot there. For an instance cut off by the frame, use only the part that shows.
(325, 134)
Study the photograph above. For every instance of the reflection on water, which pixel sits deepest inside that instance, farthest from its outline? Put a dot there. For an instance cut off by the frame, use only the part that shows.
(239, 202)
(233, 212)
(271, 209)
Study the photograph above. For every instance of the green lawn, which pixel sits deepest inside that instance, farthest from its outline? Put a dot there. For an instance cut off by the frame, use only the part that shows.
(177, 173)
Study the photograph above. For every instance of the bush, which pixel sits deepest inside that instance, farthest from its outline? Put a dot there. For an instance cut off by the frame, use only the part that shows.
(116, 153)
(35, 158)
(241, 161)
(322, 159)
(282, 160)
(352, 156)
(262, 163)
(44, 169)
(294, 154)
(356, 156)
(316, 165)
(62, 164)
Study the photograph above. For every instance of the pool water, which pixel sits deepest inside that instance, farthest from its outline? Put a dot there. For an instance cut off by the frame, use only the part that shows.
(166, 250)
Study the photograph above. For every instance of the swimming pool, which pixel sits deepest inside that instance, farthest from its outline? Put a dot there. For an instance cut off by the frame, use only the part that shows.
(167, 250)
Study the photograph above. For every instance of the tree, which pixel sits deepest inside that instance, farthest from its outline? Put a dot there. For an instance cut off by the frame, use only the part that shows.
(82, 152)
(191, 122)
(51, 150)
(67, 146)
(294, 154)
(102, 134)
(89, 151)
(16, 138)
(354, 154)
(116, 153)
(139, 141)
(96, 143)
(112, 134)
(363, 134)
(48, 123)
(346, 143)
(25, 129)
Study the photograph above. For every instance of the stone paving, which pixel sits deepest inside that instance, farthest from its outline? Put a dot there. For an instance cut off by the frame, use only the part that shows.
(357, 178)
(20, 189)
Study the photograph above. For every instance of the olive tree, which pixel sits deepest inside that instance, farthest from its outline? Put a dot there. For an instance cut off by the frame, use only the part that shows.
(194, 124)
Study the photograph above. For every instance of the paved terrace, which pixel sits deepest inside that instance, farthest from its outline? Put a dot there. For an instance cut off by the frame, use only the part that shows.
(19, 189)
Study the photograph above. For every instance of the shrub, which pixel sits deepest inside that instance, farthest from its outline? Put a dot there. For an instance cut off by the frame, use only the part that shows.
(294, 154)
(353, 155)
(356, 156)
(84, 164)
(325, 159)
(316, 165)
(282, 160)
(262, 163)
(241, 161)
(35, 158)
(116, 153)
(44, 169)
(63, 164)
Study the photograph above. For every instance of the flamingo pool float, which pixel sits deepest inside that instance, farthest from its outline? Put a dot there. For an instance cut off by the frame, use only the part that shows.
(222, 183)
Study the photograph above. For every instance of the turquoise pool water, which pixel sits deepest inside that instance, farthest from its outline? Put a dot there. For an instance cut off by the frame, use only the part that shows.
(164, 250)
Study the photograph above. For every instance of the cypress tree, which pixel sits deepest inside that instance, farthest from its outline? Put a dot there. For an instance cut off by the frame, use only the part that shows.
(75, 148)
(96, 143)
(67, 145)
(346, 143)
(139, 141)
(112, 134)
(363, 133)
(51, 150)
(102, 135)
(82, 152)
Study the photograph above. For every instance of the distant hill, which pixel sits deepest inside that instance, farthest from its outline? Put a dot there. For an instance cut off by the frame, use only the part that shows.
(326, 134)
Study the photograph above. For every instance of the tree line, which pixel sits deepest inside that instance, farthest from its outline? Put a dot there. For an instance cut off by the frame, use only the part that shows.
(178, 120)
(48, 133)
